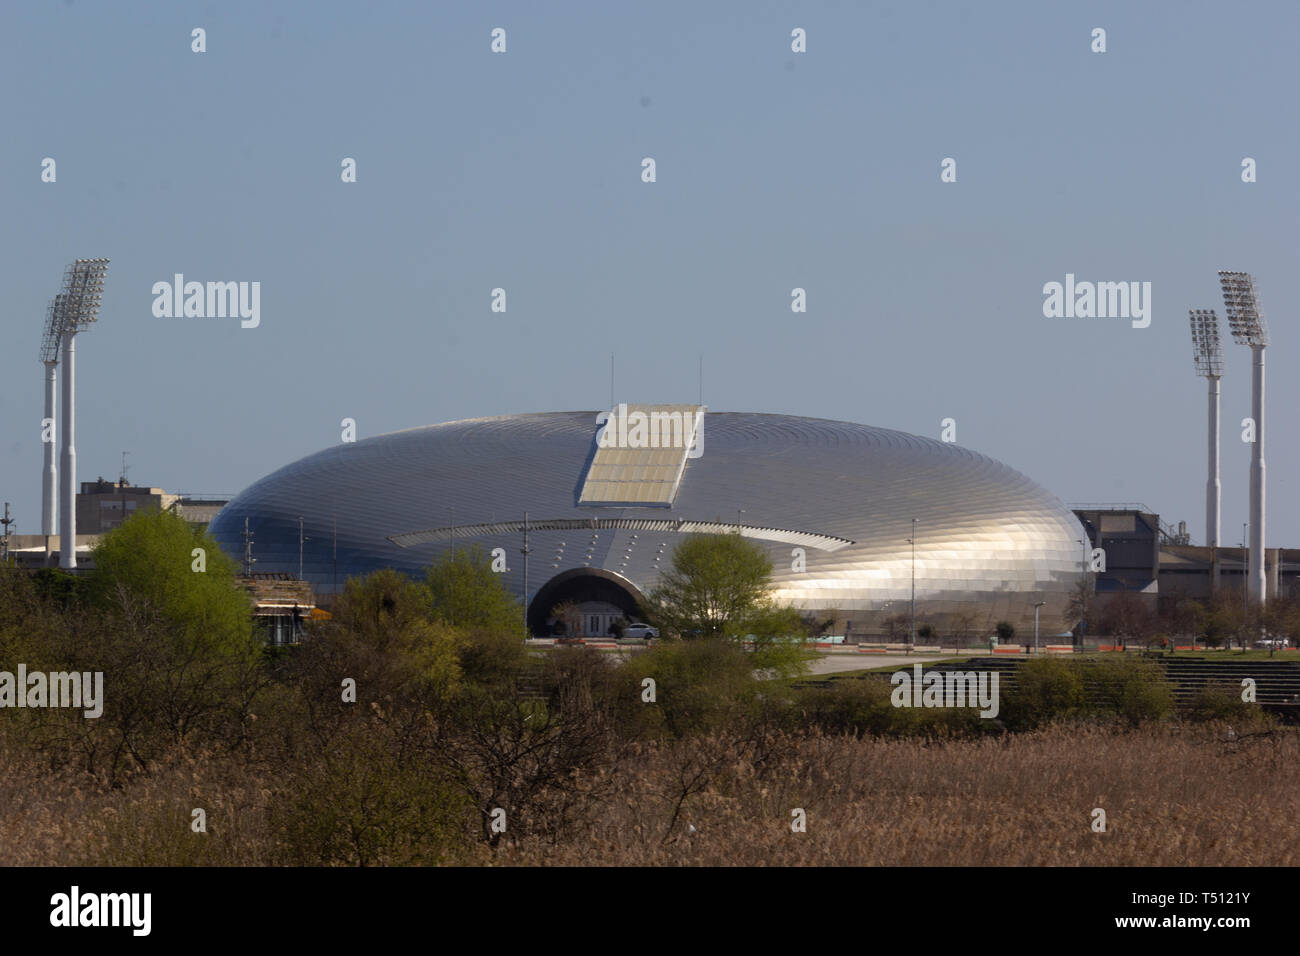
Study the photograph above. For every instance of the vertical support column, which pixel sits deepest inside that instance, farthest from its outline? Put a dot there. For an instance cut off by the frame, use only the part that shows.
(68, 478)
(1256, 584)
(50, 474)
(1213, 486)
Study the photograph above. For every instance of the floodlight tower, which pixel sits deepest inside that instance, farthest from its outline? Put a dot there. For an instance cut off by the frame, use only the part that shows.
(50, 472)
(1207, 351)
(1241, 302)
(83, 289)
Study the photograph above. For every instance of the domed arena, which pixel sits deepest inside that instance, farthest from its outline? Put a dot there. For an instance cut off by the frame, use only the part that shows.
(588, 507)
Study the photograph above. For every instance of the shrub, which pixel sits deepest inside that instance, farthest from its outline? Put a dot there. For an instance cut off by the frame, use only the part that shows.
(1046, 689)
(1131, 688)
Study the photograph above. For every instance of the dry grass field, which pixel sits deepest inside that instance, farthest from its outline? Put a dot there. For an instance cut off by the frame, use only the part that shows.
(1173, 794)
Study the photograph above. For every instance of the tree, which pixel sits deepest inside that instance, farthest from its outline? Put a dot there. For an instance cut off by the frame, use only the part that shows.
(962, 625)
(568, 615)
(465, 592)
(716, 585)
(1078, 609)
(1125, 616)
(1176, 617)
(896, 627)
(1006, 631)
(719, 587)
(174, 629)
(389, 613)
(150, 560)
(1219, 618)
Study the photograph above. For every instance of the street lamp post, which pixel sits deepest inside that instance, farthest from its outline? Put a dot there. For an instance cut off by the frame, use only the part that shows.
(525, 552)
(1036, 607)
(912, 541)
(1083, 594)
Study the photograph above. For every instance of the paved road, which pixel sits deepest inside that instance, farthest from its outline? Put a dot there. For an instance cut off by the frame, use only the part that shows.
(833, 663)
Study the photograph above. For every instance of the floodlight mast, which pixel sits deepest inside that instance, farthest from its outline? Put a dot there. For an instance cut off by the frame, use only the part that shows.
(1207, 351)
(1241, 302)
(78, 307)
(50, 471)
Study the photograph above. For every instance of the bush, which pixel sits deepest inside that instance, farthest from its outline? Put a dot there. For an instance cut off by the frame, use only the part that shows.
(848, 705)
(1046, 689)
(1132, 689)
(1223, 702)
(700, 685)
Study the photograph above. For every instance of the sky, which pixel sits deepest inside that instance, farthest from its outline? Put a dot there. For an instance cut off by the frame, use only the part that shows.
(774, 170)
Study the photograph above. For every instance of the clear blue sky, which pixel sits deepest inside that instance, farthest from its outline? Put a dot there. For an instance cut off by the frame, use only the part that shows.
(775, 170)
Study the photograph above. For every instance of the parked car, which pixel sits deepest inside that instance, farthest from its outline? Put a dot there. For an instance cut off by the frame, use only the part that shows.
(1281, 643)
(636, 629)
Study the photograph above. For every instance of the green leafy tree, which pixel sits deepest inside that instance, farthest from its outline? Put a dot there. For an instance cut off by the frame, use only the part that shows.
(717, 586)
(465, 592)
(152, 560)
(389, 613)
(171, 628)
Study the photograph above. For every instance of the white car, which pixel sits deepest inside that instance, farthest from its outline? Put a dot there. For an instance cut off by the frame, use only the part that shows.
(1281, 643)
(640, 630)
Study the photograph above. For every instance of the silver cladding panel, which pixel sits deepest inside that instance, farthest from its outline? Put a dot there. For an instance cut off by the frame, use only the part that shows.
(990, 542)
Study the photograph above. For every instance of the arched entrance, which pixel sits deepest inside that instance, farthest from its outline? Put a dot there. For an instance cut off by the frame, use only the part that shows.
(600, 595)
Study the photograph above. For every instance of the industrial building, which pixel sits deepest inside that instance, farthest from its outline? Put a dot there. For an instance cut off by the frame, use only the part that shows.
(1147, 557)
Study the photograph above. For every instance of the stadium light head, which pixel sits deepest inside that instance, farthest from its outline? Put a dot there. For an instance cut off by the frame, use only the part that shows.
(1241, 301)
(1207, 349)
(83, 293)
(50, 340)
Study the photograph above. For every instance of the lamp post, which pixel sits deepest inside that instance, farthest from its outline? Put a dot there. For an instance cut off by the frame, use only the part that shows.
(1036, 607)
(525, 552)
(1083, 594)
(912, 542)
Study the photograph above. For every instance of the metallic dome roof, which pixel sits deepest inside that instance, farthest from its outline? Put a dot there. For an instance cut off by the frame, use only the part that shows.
(989, 542)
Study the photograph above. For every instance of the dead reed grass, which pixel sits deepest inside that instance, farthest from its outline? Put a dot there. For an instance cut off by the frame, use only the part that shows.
(1174, 795)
